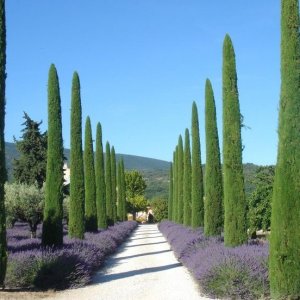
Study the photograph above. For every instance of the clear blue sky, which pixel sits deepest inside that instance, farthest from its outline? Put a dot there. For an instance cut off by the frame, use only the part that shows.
(141, 64)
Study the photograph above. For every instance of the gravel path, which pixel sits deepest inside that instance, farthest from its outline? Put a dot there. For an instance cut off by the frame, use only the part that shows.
(143, 268)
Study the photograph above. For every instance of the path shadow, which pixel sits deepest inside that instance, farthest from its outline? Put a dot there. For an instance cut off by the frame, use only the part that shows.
(147, 237)
(142, 254)
(99, 278)
(129, 246)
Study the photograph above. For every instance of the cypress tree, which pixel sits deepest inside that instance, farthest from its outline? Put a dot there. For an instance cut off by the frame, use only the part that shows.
(213, 211)
(113, 183)
(53, 211)
(234, 194)
(123, 189)
(3, 246)
(100, 181)
(170, 202)
(285, 235)
(175, 185)
(187, 189)
(109, 207)
(197, 176)
(119, 193)
(180, 181)
(76, 214)
(89, 180)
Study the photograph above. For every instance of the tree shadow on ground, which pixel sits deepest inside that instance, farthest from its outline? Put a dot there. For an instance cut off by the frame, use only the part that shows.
(110, 277)
(139, 255)
(147, 237)
(146, 244)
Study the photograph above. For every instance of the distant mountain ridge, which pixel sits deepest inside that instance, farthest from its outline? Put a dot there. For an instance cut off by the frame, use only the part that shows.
(131, 161)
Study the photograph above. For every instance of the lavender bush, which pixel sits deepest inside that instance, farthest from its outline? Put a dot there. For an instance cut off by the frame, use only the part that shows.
(72, 265)
(235, 273)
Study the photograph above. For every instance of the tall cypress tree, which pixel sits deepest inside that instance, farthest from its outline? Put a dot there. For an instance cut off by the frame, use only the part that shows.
(119, 193)
(53, 211)
(213, 205)
(234, 193)
(113, 183)
(285, 234)
(187, 179)
(89, 180)
(123, 189)
(175, 184)
(170, 202)
(180, 181)
(100, 181)
(109, 207)
(197, 176)
(76, 214)
(3, 250)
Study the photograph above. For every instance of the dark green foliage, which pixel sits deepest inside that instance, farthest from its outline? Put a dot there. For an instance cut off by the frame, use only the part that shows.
(89, 180)
(285, 233)
(122, 214)
(175, 185)
(187, 179)
(234, 194)
(113, 183)
(180, 181)
(197, 176)
(3, 253)
(76, 215)
(213, 204)
(123, 189)
(53, 211)
(260, 200)
(119, 193)
(170, 202)
(100, 181)
(160, 209)
(108, 184)
(30, 167)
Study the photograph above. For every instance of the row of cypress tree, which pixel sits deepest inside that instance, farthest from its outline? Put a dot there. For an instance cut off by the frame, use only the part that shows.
(189, 205)
(93, 189)
(284, 262)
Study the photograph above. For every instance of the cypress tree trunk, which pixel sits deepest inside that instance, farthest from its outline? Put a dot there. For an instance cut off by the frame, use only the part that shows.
(76, 216)
(100, 181)
(175, 183)
(285, 235)
(234, 195)
(170, 202)
(213, 204)
(123, 195)
(197, 176)
(109, 207)
(187, 190)
(89, 179)
(113, 183)
(3, 246)
(180, 181)
(53, 212)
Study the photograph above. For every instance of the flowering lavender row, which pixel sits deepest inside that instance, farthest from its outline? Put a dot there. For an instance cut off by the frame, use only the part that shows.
(236, 273)
(72, 265)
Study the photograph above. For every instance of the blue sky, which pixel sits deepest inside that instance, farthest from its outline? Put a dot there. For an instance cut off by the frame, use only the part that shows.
(141, 64)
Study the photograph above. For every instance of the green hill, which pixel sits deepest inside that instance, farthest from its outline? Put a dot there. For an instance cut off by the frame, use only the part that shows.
(155, 171)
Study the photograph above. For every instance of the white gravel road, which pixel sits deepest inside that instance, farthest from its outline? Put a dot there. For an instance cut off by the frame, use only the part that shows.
(143, 268)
